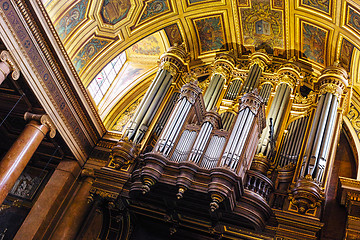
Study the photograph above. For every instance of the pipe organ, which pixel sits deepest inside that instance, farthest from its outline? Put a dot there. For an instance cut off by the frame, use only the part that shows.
(172, 63)
(215, 145)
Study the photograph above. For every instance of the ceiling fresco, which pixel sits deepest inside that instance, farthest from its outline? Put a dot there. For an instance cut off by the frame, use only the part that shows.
(316, 32)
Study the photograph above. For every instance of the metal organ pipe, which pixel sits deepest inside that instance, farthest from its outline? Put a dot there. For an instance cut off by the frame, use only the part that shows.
(321, 160)
(321, 126)
(182, 149)
(146, 102)
(189, 94)
(165, 115)
(252, 79)
(233, 89)
(212, 94)
(213, 152)
(312, 135)
(265, 92)
(277, 109)
(227, 119)
(237, 139)
(200, 142)
(155, 103)
(171, 131)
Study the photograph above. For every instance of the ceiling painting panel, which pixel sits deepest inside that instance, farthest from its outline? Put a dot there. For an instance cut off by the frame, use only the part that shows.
(277, 4)
(243, 3)
(313, 43)
(263, 26)
(154, 9)
(113, 11)
(346, 53)
(88, 52)
(173, 34)
(353, 18)
(320, 5)
(71, 19)
(210, 33)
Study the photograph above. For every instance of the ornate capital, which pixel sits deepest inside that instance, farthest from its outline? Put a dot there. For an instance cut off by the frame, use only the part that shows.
(6, 58)
(290, 74)
(174, 60)
(260, 58)
(44, 120)
(224, 65)
(251, 100)
(191, 91)
(333, 79)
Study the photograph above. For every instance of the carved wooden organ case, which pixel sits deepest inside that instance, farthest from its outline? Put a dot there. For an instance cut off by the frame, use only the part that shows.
(254, 140)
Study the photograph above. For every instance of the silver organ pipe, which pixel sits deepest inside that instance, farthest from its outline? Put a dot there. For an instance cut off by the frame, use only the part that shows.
(291, 145)
(251, 104)
(213, 152)
(252, 79)
(321, 161)
(318, 146)
(183, 147)
(152, 109)
(166, 113)
(277, 109)
(189, 94)
(146, 102)
(312, 135)
(213, 92)
(200, 142)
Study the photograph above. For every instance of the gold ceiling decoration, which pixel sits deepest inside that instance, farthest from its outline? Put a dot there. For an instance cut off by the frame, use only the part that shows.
(318, 33)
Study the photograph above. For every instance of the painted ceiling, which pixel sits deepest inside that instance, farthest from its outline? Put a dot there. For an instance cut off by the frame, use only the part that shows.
(317, 32)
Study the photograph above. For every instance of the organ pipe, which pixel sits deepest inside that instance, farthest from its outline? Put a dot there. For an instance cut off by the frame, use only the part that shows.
(189, 93)
(172, 63)
(250, 106)
(277, 109)
(333, 81)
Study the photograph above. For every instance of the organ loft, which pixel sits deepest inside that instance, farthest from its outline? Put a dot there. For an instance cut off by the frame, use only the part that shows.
(191, 119)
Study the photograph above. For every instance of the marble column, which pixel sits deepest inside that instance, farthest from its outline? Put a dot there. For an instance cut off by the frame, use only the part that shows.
(75, 214)
(49, 206)
(7, 65)
(18, 156)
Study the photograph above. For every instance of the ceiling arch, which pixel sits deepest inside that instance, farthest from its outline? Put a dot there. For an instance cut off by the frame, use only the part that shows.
(317, 33)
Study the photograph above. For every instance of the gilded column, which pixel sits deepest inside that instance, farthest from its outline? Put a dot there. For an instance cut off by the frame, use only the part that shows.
(258, 62)
(223, 66)
(22, 150)
(307, 192)
(172, 64)
(7, 65)
(75, 214)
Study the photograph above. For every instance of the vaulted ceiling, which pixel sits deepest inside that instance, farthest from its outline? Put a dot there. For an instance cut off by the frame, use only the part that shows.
(316, 32)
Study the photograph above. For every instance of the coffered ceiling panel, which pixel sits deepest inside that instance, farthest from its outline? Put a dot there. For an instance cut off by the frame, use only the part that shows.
(317, 32)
